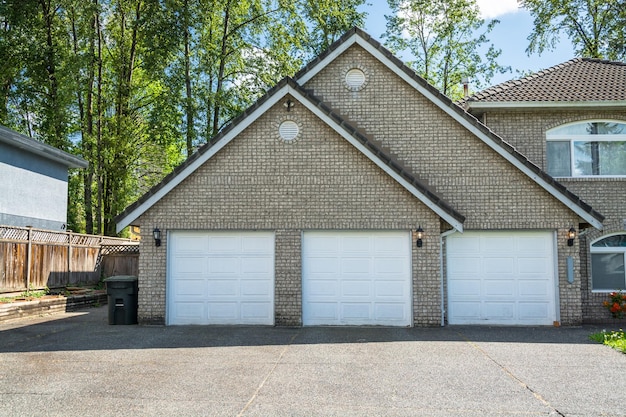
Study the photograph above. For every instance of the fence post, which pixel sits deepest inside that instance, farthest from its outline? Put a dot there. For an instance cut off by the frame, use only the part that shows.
(69, 257)
(29, 253)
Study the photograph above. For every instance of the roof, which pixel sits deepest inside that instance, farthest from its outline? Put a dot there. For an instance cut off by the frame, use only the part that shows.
(17, 140)
(579, 80)
(368, 146)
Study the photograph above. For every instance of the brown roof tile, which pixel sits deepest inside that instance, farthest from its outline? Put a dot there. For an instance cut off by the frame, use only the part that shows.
(579, 79)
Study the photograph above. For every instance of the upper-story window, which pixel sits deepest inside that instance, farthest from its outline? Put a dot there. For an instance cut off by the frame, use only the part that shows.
(587, 149)
(608, 256)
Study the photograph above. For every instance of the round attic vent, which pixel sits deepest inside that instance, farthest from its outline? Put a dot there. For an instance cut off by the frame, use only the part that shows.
(355, 79)
(288, 130)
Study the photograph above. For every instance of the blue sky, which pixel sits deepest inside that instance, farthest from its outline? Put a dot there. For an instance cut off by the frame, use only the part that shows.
(510, 35)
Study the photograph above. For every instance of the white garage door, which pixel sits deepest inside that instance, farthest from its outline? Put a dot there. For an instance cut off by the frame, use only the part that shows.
(356, 278)
(501, 278)
(220, 278)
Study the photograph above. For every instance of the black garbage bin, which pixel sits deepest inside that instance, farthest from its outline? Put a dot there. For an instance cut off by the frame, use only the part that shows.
(122, 298)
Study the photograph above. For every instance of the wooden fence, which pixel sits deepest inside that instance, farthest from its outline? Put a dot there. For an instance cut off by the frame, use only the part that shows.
(35, 258)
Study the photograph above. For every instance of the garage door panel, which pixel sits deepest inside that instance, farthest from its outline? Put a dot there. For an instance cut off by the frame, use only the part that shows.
(536, 288)
(366, 267)
(500, 265)
(391, 245)
(256, 265)
(533, 311)
(533, 265)
(497, 244)
(224, 244)
(355, 266)
(223, 288)
(186, 265)
(499, 288)
(190, 288)
(255, 288)
(391, 312)
(357, 313)
(499, 311)
(465, 266)
(385, 267)
(218, 311)
(468, 310)
(192, 311)
(355, 288)
(259, 312)
(191, 244)
(465, 287)
(252, 244)
(323, 312)
(225, 270)
(532, 244)
(391, 289)
(509, 269)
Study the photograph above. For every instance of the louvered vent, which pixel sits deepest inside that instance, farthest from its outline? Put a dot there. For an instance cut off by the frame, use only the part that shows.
(288, 130)
(355, 78)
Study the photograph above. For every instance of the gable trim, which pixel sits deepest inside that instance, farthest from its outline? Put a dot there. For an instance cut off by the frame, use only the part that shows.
(289, 87)
(357, 36)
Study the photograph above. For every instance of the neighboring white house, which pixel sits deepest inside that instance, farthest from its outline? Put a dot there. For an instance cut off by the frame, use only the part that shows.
(33, 182)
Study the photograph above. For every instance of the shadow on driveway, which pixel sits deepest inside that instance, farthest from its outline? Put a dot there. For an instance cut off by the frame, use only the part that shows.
(89, 330)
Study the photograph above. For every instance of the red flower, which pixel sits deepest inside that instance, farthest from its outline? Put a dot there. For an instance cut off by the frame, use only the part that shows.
(615, 308)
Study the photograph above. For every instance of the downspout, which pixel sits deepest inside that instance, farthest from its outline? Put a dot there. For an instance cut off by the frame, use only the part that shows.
(441, 269)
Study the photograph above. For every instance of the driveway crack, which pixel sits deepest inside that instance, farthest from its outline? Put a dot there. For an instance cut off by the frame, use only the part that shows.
(269, 374)
(514, 377)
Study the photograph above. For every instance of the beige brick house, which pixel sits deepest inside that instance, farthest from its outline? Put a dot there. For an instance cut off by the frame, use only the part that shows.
(570, 120)
(357, 194)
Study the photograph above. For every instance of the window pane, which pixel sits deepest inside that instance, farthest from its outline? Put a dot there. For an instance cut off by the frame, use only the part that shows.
(612, 158)
(590, 128)
(558, 158)
(607, 271)
(617, 241)
(583, 159)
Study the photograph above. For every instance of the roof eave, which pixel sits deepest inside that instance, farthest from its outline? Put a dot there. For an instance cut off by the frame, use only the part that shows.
(508, 105)
(17, 140)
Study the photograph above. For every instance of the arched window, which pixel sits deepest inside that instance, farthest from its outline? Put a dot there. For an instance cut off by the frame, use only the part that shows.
(608, 256)
(588, 149)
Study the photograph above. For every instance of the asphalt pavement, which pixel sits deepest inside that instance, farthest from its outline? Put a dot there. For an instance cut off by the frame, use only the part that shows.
(75, 364)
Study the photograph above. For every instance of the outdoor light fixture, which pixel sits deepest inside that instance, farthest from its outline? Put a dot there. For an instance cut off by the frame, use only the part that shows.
(157, 236)
(420, 235)
(571, 234)
(289, 104)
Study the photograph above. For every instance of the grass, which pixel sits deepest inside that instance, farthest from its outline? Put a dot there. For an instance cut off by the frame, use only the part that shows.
(613, 338)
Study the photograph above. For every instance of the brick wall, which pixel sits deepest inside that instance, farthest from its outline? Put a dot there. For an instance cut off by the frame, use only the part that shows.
(258, 181)
(526, 130)
(479, 183)
(319, 181)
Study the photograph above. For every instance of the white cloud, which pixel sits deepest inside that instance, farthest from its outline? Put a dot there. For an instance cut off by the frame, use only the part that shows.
(490, 9)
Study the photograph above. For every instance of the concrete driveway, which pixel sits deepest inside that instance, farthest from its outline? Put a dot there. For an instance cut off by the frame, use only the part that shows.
(75, 364)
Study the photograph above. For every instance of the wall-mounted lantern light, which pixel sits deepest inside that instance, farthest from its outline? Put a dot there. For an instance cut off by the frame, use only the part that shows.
(156, 233)
(420, 235)
(289, 104)
(571, 234)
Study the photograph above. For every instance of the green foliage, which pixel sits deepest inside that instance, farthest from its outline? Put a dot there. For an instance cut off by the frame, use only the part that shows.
(596, 28)
(447, 41)
(615, 339)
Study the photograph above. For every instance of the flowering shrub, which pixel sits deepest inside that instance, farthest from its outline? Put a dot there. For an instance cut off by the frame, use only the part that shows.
(616, 304)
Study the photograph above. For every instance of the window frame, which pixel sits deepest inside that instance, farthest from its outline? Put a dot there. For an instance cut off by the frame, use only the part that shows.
(587, 138)
(606, 249)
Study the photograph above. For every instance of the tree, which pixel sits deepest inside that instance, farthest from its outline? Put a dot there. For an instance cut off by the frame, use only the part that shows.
(327, 20)
(445, 40)
(596, 28)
